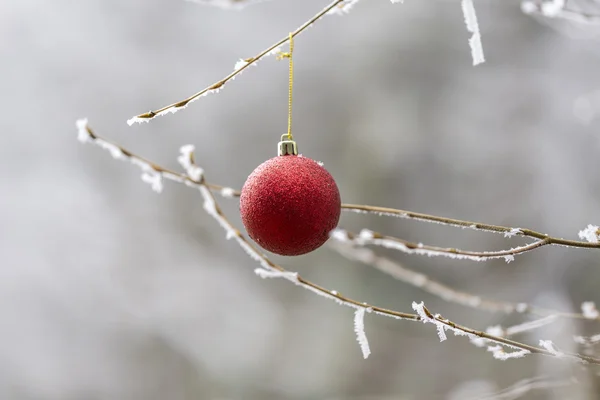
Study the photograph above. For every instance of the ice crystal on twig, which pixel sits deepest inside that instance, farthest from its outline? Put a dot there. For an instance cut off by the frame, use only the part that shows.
(473, 26)
(591, 234)
(359, 329)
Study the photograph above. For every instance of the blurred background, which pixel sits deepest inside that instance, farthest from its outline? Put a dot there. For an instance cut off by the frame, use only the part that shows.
(110, 291)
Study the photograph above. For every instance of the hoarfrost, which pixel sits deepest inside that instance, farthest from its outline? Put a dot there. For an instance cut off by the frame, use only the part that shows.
(513, 232)
(589, 310)
(591, 233)
(82, 133)
(499, 353)
(228, 192)
(473, 27)
(441, 327)
(154, 179)
(343, 8)
(263, 273)
(359, 329)
(549, 345)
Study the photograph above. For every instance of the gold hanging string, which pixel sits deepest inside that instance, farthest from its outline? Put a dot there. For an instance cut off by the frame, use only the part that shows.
(288, 55)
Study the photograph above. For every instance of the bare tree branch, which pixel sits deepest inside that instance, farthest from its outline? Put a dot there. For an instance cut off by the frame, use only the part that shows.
(445, 292)
(507, 231)
(269, 269)
(215, 87)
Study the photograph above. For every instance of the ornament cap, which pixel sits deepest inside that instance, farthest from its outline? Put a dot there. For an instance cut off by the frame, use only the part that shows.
(287, 146)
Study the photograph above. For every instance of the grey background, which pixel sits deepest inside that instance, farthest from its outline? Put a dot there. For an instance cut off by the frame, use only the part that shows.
(109, 291)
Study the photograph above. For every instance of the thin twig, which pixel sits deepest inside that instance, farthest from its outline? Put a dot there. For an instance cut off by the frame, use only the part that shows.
(385, 265)
(141, 161)
(525, 386)
(368, 237)
(543, 239)
(438, 289)
(171, 108)
(269, 269)
(507, 231)
(460, 330)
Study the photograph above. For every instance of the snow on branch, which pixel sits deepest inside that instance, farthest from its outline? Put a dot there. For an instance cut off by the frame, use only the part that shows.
(269, 269)
(468, 10)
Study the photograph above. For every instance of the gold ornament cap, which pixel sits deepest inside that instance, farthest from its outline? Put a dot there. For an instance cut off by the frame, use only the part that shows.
(287, 146)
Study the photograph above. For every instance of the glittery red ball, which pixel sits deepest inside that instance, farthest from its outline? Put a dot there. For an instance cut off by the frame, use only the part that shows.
(289, 204)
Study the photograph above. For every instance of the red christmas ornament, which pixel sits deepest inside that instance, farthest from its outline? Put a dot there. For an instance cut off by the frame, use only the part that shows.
(290, 203)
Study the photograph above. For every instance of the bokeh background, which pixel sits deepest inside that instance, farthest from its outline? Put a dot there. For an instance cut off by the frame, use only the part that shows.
(110, 291)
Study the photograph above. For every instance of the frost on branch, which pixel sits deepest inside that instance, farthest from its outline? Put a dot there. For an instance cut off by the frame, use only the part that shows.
(548, 345)
(513, 232)
(587, 341)
(149, 174)
(186, 161)
(558, 9)
(228, 192)
(241, 63)
(359, 329)
(425, 317)
(368, 237)
(499, 353)
(472, 26)
(549, 9)
(498, 349)
(82, 130)
(591, 234)
(154, 179)
(342, 8)
(154, 174)
(265, 274)
(553, 8)
(589, 310)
